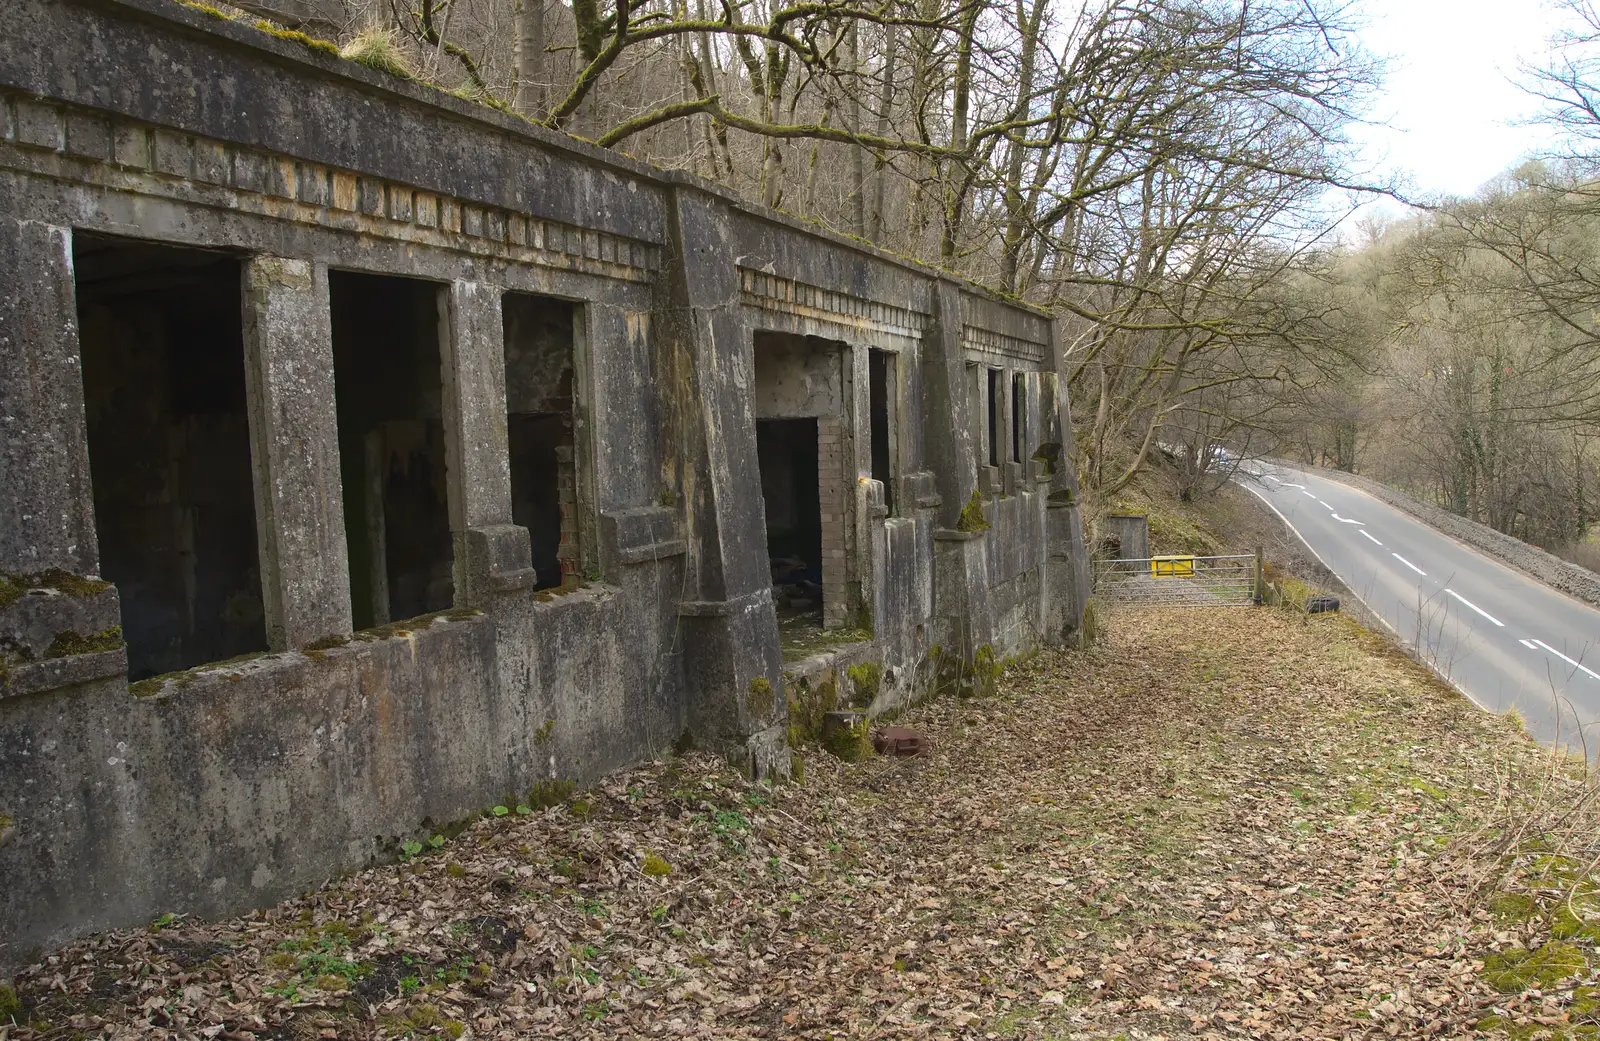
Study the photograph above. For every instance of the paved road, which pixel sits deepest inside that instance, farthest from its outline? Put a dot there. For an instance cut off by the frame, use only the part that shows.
(1504, 639)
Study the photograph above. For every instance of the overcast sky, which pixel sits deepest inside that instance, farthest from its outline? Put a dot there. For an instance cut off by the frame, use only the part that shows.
(1448, 100)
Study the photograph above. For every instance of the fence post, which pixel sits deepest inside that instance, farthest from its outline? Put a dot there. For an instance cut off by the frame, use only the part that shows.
(1261, 581)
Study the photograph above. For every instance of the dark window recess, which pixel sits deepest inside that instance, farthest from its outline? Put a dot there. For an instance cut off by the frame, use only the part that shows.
(387, 383)
(994, 417)
(880, 366)
(539, 341)
(169, 449)
(1019, 399)
(786, 452)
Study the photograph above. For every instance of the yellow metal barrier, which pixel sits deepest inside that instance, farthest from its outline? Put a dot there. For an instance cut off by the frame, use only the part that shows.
(1172, 567)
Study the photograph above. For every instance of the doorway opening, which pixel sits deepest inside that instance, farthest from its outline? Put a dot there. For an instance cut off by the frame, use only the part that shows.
(786, 450)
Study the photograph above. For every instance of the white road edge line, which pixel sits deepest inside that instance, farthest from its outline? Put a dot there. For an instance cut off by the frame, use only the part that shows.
(1408, 564)
(1476, 608)
(1399, 639)
(1364, 532)
(1569, 661)
(1528, 644)
(1286, 484)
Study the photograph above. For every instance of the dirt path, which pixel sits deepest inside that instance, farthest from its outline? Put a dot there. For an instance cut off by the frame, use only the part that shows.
(1235, 823)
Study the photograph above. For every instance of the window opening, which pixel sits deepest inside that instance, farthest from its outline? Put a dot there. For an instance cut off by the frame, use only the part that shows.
(388, 389)
(881, 400)
(162, 343)
(994, 417)
(539, 340)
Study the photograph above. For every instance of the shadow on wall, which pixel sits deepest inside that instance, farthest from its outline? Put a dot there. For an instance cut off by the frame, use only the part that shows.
(388, 385)
(162, 345)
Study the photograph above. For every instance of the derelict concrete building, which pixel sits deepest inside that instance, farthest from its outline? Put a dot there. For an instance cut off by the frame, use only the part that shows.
(366, 455)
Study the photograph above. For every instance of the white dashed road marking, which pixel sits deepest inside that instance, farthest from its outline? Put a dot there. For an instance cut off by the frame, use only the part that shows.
(1476, 608)
(1272, 478)
(1364, 532)
(1344, 520)
(1309, 494)
(1569, 661)
(1410, 565)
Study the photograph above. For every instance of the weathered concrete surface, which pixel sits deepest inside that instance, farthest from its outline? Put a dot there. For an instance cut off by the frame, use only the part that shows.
(46, 506)
(230, 786)
(305, 580)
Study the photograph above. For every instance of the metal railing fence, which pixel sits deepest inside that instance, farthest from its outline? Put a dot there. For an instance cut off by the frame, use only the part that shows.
(1179, 580)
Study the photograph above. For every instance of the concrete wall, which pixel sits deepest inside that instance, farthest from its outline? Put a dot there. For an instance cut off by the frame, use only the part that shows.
(233, 784)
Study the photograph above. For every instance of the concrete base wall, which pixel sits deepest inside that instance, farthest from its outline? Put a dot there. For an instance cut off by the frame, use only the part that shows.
(239, 785)
(235, 784)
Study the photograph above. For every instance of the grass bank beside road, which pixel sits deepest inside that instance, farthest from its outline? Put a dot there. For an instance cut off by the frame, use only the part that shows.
(1237, 823)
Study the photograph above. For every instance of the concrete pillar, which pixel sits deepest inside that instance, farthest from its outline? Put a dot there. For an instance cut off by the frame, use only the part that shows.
(705, 358)
(491, 553)
(1067, 578)
(46, 500)
(834, 495)
(294, 451)
(950, 420)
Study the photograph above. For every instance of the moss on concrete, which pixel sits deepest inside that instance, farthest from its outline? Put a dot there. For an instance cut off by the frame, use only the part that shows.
(1091, 624)
(568, 585)
(866, 680)
(972, 518)
(850, 743)
(13, 586)
(69, 642)
(758, 701)
(550, 793)
(295, 36)
(415, 625)
(10, 1005)
(957, 677)
(807, 704)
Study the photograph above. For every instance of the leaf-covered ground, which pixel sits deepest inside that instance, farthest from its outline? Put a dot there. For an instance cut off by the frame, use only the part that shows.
(1241, 823)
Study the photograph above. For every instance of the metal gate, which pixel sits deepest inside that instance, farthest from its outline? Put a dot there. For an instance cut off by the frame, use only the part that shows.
(1179, 580)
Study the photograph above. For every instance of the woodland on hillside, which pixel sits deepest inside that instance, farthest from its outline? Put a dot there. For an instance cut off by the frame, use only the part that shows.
(1174, 176)
(1153, 169)
(1464, 342)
